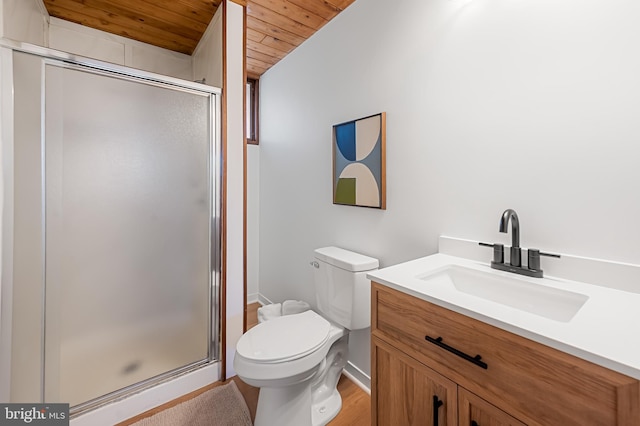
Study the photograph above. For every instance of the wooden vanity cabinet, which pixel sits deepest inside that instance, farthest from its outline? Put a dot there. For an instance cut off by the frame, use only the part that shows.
(484, 375)
(409, 393)
(475, 411)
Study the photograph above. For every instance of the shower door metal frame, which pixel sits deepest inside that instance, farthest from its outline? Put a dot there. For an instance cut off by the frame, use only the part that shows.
(215, 173)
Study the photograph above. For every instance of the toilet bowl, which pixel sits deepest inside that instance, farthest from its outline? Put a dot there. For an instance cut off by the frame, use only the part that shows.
(286, 358)
(296, 360)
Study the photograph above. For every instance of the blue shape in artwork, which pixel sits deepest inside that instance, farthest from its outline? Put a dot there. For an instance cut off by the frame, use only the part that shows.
(340, 164)
(346, 140)
(374, 162)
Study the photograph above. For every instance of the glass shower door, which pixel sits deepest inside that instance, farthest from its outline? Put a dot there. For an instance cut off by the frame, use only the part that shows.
(127, 217)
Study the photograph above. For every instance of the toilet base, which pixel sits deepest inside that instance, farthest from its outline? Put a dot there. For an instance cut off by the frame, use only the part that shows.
(284, 406)
(313, 401)
(323, 412)
(293, 407)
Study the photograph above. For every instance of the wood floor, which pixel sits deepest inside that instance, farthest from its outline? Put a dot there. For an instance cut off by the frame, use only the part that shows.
(356, 403)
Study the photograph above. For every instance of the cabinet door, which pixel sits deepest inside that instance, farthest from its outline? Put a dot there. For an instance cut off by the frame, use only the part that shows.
(475, 411)
(406, 392)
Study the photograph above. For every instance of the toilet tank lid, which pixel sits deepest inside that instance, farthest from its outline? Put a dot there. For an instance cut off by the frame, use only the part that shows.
(345, 259)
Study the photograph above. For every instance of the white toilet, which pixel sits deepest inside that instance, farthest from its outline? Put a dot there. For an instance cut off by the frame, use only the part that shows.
(296, 360)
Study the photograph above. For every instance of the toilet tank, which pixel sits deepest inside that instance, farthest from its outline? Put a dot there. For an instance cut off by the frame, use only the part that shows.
(343, 292)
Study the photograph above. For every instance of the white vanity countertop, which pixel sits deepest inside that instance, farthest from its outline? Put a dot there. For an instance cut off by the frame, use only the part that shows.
(605, 331)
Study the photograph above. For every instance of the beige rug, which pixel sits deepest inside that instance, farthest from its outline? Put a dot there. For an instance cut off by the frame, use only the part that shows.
(220, 406)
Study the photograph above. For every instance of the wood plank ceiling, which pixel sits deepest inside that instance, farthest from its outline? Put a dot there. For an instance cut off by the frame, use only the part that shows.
(176, 25)
(274, 27)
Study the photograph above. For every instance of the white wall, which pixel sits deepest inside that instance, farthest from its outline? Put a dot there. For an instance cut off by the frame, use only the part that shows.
(6, 217)
(253, 222)
(207, 57)
(234, 90)
(28, 21)
(92, 43)
(24, 20)
(491, 104)
(208, 64)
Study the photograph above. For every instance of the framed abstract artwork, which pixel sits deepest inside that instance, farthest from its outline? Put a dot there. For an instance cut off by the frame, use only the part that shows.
(359, 173)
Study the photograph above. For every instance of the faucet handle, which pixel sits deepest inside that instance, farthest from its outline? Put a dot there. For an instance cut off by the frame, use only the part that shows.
(498, 251)
(534, 258)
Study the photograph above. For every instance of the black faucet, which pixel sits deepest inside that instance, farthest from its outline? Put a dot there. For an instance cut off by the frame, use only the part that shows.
(515, 261)
(516, 258)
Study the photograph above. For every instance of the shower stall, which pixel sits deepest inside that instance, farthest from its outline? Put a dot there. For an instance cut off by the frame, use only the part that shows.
(110, 228)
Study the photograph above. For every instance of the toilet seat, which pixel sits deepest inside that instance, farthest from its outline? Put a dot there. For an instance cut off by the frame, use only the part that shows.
(284, 338)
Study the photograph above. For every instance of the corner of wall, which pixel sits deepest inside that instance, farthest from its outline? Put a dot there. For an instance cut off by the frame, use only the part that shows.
(6, 219)
(24, 21)
(234, 97)
(2, 18)
(206, 60)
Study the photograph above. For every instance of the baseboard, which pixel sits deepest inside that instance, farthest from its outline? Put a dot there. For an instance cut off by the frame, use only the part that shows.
(253, 298)
(263, 300)
(357, 376)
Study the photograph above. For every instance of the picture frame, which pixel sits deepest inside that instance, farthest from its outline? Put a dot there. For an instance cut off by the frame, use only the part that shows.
(359, 163)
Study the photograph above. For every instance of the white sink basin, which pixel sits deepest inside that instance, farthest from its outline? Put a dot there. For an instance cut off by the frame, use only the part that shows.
(548, 302)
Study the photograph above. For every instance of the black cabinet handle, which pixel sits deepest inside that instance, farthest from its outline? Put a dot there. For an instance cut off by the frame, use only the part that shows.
(436, 405)
(473, 359)
(474, 423)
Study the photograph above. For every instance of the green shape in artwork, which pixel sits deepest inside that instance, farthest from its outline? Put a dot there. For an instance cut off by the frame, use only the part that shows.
(346, 191)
